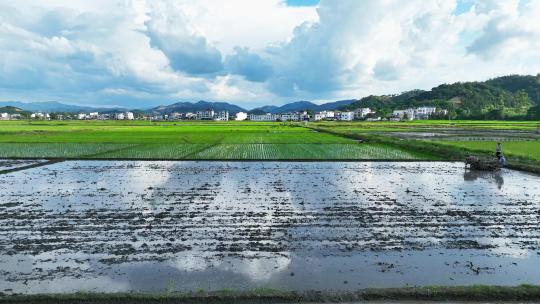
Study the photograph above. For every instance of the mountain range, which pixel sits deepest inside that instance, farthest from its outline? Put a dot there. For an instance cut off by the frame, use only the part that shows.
(54, 106)
(303, 105)
(513, 96)
(181, 107)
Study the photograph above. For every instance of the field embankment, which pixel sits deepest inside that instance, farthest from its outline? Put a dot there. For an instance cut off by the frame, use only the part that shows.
(430, 293)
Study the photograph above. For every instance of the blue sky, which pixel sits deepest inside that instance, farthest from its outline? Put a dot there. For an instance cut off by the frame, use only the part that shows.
(142, 53)
(302, 2)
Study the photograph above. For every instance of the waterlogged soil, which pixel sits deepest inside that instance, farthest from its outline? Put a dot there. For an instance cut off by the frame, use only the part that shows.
(13, 164)
(185, 226)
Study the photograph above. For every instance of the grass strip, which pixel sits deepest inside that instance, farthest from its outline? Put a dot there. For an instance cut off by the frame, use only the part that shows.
(429, 293)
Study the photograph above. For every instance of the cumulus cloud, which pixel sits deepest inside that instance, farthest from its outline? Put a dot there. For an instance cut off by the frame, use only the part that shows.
(187, 51)
(509, 30)
(141, 53)
(249, 65)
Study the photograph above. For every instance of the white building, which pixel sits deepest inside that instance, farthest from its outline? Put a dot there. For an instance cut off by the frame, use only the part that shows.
(346, 116)
(407, 114)
(303, 115)
(424, 112)
(205, 115)
(289, 117)
(361, 113)
(222, 116)
(130, 116)
(4, 116)
(241, 116)
(324, 115)
(81, 116)
(120, 116)
(40, 115)
(190, 115)
(264, 117)
(93, 115)
(176, 115)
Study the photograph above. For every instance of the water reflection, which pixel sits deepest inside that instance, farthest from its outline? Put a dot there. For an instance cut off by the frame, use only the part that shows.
(494, 176)
(293, 225)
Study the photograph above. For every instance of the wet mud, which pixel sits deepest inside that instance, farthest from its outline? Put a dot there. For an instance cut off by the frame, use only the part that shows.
(158, 226)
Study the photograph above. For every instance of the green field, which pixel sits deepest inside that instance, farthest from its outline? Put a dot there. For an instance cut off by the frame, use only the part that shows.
(512, 149)
(199, 140)
(185, 140)
(450, 139)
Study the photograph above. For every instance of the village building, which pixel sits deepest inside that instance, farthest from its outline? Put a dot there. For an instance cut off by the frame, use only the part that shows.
(221, 115)
(361, 113)
(289, 117)
(176, 115)
(205, 115)
(241, 116)
(346, 116)
(264, 117)
(424, 112)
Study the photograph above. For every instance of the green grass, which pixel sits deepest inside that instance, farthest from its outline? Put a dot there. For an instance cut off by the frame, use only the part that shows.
(184, 140)
(265, 295)
(512, 149)
(419, 125)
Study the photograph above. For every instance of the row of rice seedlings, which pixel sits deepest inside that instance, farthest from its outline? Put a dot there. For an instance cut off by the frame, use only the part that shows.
(56, 150)
(303, 151)
(156, 151)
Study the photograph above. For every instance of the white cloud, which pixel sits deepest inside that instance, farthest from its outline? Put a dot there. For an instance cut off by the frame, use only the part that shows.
(142, 53)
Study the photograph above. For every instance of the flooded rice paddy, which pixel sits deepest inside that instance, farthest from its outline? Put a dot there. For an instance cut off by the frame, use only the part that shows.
(161, 226)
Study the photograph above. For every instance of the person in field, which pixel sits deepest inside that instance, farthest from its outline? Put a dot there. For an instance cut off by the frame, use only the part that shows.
(498, 150)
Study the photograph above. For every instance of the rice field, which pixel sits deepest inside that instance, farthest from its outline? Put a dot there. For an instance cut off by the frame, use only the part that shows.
(185, 140)
(57, 150)
(306, 151)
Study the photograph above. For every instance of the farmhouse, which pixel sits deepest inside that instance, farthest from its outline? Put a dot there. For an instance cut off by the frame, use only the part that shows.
(418, 113)
(264, 117)
(40, 115)
(241, 116)
(205, 115)
(222, 116)
(361, 113)
(346, 116)
(290, 117)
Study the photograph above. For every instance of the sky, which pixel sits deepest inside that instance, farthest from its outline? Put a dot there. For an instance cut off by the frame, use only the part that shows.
(143, 53)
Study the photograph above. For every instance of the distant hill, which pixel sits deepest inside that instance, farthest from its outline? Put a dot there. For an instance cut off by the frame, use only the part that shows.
(334, 105)
(53, 106)
(201, 105)
(303, 106)
(502, 97)
(12, 110)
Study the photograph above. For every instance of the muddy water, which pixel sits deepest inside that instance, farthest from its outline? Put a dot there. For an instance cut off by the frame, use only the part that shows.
(163, 226)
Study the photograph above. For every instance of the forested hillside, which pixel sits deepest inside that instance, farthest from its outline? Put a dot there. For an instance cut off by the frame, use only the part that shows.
(504, 97)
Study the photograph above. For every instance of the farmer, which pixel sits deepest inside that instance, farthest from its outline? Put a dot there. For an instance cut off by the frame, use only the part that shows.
(498, 150)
